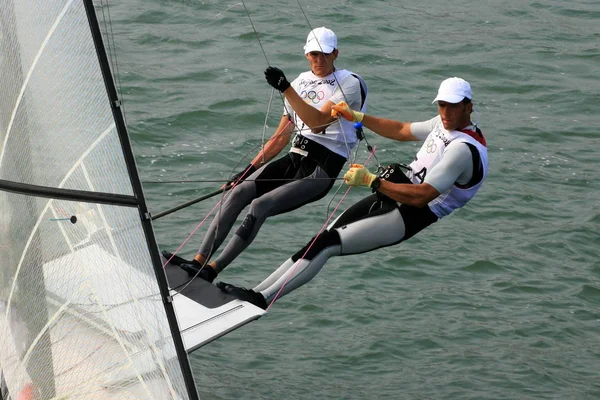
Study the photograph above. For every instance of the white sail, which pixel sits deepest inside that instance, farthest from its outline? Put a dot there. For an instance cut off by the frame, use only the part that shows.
(82, 315)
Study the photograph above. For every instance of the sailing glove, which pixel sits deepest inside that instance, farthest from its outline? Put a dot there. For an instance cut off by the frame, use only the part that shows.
(276, 78)
(240, 176)
(345, 111)
(358, 175)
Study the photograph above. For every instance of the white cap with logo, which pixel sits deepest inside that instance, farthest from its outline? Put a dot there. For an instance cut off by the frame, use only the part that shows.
(320, 39)
(454, 90)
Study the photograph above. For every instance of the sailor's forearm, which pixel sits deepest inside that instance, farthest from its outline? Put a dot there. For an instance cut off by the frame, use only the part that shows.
(416, 195)
(388, 128)
(311, 116)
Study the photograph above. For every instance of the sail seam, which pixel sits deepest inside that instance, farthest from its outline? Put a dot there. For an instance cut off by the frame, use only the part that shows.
(29, 73)
(124, 200)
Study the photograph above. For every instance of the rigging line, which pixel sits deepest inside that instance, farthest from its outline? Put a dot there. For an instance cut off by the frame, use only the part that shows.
(262, 142)
(104, 6)
(266, 58)
(187, 204)
(351, 160)
(291, 273)
(255, 32)
(246, 180)
(112, 49)
(339, 86)
(238, 181)
(319, 44)
(220, 205)
(268, 63)
(354, 157)
(227, 9)
(341, 183)
(192, 202)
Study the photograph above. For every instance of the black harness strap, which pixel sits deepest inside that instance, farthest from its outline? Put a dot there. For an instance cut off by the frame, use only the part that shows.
(363, 90)
(477, 168)
(331, 162)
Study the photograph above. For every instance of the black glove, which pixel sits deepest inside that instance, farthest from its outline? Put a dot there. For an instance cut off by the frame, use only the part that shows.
(276, 78)
(246, 172)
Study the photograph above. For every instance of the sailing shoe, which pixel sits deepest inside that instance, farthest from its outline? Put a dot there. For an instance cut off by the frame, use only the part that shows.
(244, 294)
(194, 268)
(175, 260)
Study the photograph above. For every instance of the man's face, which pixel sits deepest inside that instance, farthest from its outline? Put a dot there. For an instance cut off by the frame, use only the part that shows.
(455, 115)
(321, 64)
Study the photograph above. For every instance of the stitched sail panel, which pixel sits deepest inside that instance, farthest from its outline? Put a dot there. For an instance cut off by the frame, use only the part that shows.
(81, 315)
(55, 110)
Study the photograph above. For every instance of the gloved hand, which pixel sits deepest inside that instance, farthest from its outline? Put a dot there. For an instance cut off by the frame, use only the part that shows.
(240, 176)
(276, 78)
(345, 111)
(358, 175)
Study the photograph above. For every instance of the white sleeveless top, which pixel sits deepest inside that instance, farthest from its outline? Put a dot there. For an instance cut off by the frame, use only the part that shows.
(431, 153)
(316, 92)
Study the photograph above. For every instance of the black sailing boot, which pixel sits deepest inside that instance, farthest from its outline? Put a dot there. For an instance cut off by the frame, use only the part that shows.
(244, 294)
(194, 268)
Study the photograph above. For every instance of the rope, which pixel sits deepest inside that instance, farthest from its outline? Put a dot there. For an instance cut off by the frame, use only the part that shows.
(247, 180)
(112, 52)
(220, 205)
(351, 158)
(290, 274)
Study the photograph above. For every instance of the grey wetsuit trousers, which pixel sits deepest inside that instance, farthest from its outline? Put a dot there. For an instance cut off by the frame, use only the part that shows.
(370, 224)
(278, 187)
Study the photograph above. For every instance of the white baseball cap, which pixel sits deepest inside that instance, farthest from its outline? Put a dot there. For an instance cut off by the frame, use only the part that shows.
(320, 39)
(454, 90)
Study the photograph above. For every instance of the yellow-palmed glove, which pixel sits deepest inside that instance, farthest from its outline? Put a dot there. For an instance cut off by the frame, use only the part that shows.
(345, 111)
(358, 175)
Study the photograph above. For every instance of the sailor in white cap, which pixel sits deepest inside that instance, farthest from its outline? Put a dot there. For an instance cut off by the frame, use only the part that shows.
(319, 150)
(447, 171)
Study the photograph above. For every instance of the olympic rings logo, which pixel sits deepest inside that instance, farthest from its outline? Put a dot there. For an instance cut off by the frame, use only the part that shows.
(431, 146)
(313, 96)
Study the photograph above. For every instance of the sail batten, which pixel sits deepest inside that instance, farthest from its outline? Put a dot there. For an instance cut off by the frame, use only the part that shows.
(69, 194)
(29, 73)
(86, 308)
(82, 292)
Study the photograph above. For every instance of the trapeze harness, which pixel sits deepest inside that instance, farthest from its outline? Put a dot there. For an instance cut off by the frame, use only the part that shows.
(304, 175)
(374, 222)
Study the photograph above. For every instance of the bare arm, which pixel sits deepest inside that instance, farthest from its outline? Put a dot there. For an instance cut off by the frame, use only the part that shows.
(276, 143)
(389, 128)
(456, 166)
(416, 195)
(311, 116)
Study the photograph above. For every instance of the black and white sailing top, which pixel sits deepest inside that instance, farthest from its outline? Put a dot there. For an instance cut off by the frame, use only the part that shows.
(439, 143)
(341, 85)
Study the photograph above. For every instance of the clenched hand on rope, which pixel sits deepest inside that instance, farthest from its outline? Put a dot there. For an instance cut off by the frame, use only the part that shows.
(345, 111)
(358, 175)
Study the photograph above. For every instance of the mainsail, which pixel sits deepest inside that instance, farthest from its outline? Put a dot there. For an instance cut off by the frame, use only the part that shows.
(85, 309)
